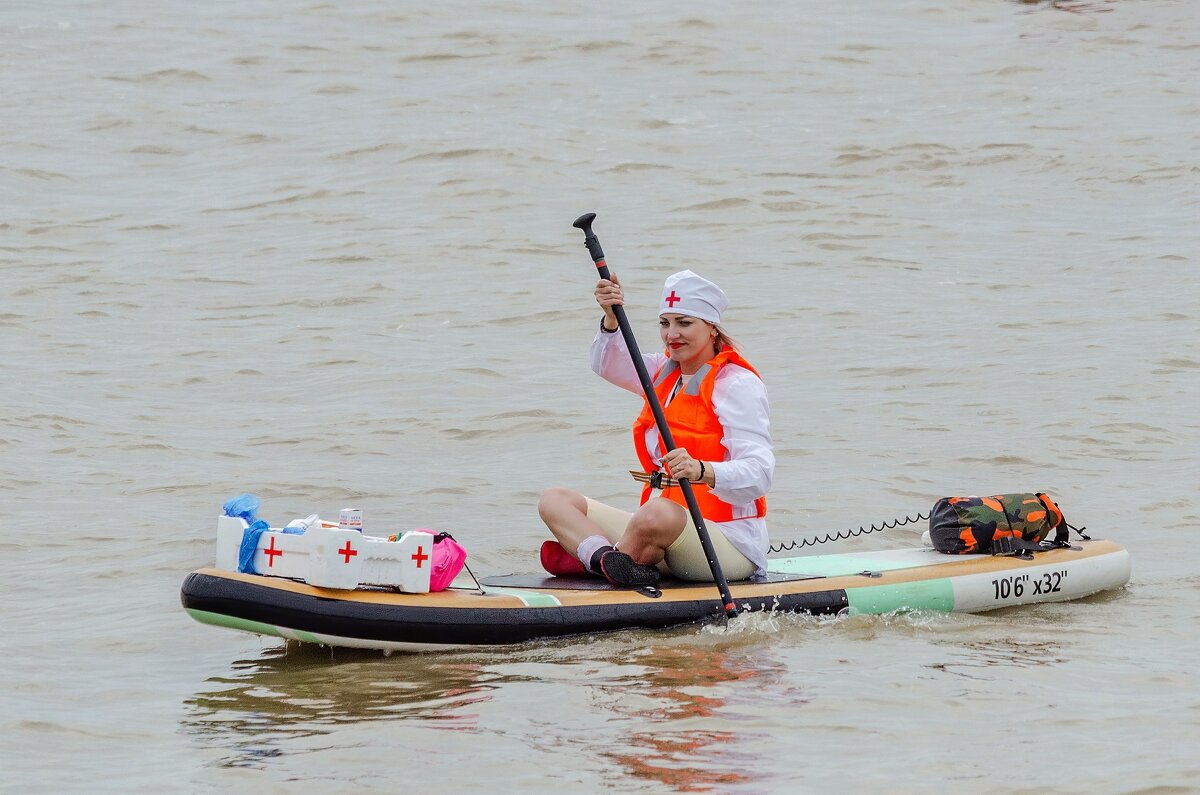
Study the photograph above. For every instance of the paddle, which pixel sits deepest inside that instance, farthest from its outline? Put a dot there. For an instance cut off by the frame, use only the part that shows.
(590, 240)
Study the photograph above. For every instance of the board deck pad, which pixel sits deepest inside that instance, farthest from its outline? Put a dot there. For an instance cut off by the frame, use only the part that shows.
(544, 582)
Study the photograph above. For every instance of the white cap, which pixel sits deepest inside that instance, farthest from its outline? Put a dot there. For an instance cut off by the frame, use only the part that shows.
(685, 293)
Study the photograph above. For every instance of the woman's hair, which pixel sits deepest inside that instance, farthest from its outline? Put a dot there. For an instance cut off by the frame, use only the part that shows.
(724, 341)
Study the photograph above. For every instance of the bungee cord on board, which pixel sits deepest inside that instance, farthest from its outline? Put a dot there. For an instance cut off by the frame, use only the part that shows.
(825, 538)
(787, 546)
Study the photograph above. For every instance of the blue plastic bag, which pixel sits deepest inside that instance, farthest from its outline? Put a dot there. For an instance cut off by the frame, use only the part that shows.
(250, 545)
(243, 506)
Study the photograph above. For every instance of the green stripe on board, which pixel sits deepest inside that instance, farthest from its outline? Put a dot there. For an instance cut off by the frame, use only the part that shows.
(528, 598)
(218, 620)
(924, 595)
(307, 637)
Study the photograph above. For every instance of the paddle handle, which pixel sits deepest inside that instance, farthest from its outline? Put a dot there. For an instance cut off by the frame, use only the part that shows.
(590, 240)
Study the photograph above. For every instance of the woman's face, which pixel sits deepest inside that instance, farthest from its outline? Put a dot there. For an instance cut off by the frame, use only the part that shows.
(688, 340)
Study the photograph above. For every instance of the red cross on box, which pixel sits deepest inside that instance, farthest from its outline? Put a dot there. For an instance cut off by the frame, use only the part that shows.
(347, 552)
(420, 557)
(271, 552)
(673, 299)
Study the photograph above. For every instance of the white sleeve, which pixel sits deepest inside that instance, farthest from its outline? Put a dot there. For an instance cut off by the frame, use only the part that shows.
(740, 400)
(610, 361)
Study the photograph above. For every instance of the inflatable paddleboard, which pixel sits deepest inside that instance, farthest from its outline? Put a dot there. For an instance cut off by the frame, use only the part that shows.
(517, 608)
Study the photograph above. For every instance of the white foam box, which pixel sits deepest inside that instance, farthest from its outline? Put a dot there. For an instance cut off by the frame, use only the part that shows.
(332, 557)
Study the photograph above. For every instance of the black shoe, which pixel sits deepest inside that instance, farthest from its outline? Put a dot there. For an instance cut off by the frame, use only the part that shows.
(619, 569)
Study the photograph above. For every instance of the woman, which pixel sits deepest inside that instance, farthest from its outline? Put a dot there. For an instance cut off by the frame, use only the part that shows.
(716, 406)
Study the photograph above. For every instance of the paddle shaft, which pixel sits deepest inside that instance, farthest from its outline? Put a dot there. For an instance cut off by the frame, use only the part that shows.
(590, 240)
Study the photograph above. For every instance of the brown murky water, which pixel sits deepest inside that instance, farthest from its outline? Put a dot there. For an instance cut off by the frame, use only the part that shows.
(324, 253)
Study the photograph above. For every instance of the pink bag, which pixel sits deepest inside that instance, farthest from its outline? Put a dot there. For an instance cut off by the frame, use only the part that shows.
(448, 560)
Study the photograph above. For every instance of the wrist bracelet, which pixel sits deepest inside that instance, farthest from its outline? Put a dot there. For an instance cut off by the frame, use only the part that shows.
(701, 470)
(608, 330)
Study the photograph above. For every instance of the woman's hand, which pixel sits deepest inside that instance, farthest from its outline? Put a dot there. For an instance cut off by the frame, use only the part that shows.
(609, 294)
(680, 464)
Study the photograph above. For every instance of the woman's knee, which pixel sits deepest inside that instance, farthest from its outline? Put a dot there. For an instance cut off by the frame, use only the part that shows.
(558, 499)
(659, 521)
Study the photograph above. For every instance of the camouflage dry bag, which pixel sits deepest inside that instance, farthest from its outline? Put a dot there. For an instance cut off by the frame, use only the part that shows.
(1001, 524)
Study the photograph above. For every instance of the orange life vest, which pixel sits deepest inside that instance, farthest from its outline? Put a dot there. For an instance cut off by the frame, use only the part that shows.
(694, 427)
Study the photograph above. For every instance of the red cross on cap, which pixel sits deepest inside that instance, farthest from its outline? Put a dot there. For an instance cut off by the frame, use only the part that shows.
(672, 299)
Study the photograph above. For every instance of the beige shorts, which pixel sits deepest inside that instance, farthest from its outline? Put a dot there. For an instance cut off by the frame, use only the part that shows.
(685, 557)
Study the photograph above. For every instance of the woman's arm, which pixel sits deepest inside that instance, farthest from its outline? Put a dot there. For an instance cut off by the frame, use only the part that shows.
(610, 361)
(740, 400)
(610, 355)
